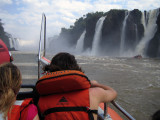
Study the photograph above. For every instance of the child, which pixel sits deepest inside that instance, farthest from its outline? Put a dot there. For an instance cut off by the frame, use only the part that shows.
(10, 83)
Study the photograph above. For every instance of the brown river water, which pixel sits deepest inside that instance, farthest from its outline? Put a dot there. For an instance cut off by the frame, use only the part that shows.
(137, 81)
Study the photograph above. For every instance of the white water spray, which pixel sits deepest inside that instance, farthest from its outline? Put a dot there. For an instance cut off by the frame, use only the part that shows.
(80, 42)
(136, 30)
(143, 20)
(97, 36)
(149, 32)
(123, 33)
(14, 43)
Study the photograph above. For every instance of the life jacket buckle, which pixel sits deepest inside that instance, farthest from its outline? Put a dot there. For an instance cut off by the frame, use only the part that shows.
(88, 110)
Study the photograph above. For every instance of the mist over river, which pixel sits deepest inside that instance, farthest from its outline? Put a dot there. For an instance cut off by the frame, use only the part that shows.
(137, 81)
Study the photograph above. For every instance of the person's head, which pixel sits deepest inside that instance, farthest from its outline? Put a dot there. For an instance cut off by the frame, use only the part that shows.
(10, 82)
(62, 61)
(156, 115)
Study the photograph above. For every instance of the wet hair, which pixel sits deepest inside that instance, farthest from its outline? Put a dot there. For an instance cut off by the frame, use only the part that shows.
(10, 82)
(156, 115)
(62, 61)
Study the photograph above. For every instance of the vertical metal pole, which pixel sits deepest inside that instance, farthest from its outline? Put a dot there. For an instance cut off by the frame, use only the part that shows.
(44, 53)
(39, 52)
(105, 110)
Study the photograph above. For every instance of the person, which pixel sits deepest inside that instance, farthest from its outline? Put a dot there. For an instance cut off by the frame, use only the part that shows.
(10, 108)
(62, 69)
(156, 115)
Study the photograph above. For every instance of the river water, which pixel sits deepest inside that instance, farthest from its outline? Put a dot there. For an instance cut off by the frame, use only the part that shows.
(137, 81)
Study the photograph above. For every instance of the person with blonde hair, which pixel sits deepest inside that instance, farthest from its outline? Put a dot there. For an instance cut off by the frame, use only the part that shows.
(10, 108)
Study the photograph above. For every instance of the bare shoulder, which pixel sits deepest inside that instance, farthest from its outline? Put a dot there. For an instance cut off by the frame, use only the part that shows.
(95, 97)
(101, 95)
(97, 93)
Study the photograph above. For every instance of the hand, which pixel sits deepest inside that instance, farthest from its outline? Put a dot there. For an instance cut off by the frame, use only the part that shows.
(94, 83)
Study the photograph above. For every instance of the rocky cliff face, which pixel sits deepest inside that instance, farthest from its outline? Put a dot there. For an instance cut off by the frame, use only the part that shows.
(91, 20)
(134, 24)
(133, 32)
(111, 32)
(153, 49)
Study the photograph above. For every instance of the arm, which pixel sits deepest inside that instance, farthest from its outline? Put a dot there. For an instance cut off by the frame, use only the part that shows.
(102, 92)
(36, 117)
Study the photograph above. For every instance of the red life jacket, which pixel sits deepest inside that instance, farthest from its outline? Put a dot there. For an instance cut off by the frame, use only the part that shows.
(20, 110)
(64, 95)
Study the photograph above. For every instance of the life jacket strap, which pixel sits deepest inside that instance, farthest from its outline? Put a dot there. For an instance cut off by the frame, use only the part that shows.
(67, 109)
(27, 103)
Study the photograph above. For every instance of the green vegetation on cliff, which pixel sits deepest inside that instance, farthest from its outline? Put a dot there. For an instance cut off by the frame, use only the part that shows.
(4, 35)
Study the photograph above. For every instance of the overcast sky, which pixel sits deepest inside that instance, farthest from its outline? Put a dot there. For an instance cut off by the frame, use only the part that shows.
(22, 18)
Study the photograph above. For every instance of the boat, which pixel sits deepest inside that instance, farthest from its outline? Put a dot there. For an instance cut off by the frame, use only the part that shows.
(105, 112)
(4, 53)
(138, 56)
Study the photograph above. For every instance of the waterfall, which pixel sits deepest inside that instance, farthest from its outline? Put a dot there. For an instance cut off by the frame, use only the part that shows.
(80, 42)
(143, 20)
(14, 43)
(123, 33)
(97, 36)
(11, 43)
(136, 30)
(149, 32)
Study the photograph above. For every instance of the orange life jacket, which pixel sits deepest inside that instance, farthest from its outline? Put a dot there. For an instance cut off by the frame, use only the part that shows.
(64, 95)
(19, 110)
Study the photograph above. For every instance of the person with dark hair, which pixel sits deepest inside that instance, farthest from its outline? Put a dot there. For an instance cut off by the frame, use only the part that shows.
(156, 115)
(66, 93)
(62, 61)
(10, 108)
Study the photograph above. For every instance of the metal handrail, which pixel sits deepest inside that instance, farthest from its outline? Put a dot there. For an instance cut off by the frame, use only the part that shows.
(44, 52)
(122, 110)
(40, 41)
(105, 110)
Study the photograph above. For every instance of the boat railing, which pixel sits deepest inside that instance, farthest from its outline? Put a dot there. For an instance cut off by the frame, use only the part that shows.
(42, 39)
(104, 115)
(122, 110)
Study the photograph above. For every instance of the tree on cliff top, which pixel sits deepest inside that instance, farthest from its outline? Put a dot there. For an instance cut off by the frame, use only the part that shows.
(4, 35)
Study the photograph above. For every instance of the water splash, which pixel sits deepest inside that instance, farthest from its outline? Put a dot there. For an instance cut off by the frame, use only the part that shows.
(97, 36)
(80, 42)
(150, 30)
(136, 33)
(14, 43)
(123, 33)
(143, 20)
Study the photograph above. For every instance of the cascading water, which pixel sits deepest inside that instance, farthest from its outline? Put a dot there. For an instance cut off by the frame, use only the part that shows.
(149, 32)
(97, 36)
(80, 42)
(136, 30)
(123, 33)
(14, 43)
(143, 20)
